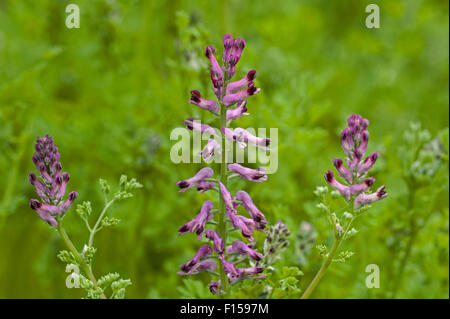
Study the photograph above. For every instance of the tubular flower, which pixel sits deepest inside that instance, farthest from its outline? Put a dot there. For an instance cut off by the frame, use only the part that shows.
(52, 184)
(233, 98)
(344, 190)
(227, 199)
(229, 268)
(219, 246)
(354, 140)
(203, 252)
(237, 112)
(228, 93)
(211, 148)
(231, 136)
(197, 225)
(345, 173)
(244, 249)
(244, 136)
(254, 175)
(197, 99)
(205, 172)
(365, 199)
(201, 266)
(192, 124)
(242, 83)
(246, 225)
(216, 71)
(248, 273)
(257, 216)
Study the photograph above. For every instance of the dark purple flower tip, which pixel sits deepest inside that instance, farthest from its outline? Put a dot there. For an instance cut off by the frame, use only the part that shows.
(35, 159)
(364, 123)
(209, 50)
(251, 75)
(73, 195)
(329, 177)
(381, 193)
(32, 178)
(35, 204)
(358, 154)
(372, 157)
(239, 44)
(337, 162)
(188, 122)
(369, 182)
(226, 36)
(66, 177)
(183, 184)
(251, 90)
(214, 287)
(195, 96)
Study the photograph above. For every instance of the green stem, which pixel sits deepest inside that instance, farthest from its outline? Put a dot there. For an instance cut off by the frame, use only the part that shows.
(86, 268)
(95, 229)
(337, 242)
(223, 178)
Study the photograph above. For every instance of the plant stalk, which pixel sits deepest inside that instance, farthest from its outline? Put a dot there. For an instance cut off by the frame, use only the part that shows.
(337, 242)
(86, 268)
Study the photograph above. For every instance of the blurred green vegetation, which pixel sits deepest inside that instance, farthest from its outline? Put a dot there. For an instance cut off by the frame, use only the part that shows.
(111, 92)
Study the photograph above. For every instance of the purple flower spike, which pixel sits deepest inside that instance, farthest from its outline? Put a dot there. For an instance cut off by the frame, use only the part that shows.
(205, 172)
(203, 252)
(192, 124)
(344, 190)
(237, 112)
(51, 186)
(227, 199)
(197, 225)
(211, 148)
(244, 136)
(231, 98)
(219, 245)
(345, 173)
(257, 216)
(242, 83)
(365, 199)
(197, 99)
(254, 175)
(244, 249)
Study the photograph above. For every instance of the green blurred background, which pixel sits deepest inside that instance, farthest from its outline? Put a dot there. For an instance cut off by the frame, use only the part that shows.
(111, 92)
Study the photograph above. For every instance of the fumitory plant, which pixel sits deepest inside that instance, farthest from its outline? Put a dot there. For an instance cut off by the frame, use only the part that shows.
(211, 223)
(354, 189)
(51, 186)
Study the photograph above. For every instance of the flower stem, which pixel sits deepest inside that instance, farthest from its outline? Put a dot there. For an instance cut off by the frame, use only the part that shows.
(95, 229)
(223, 178)
(337, 242)
(86, 268)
